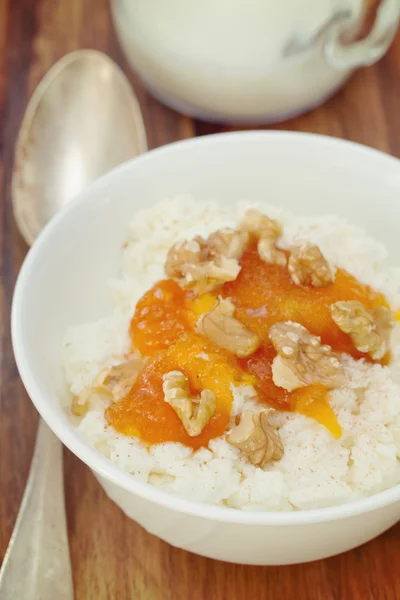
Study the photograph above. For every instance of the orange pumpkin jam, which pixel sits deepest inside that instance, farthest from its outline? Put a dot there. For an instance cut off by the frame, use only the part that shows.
(263, 294)
(144, 412)
(160, 317)
(312, 400)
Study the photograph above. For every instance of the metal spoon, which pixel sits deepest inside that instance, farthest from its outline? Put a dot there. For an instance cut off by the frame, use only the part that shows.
(82, 120)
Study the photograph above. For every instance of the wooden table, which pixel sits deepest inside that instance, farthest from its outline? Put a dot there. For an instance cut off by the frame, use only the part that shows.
(112, 557)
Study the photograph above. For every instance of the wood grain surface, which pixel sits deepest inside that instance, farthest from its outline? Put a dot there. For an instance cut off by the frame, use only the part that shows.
(113, 558)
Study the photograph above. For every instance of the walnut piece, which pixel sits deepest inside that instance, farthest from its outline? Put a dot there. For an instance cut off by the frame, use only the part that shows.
(369, 330)
(120, 379)
(227, 242)
(269, 253)
(194, 413)
(115, 383)
(180, 255)
(256, 438)
(266, 231)
(203, 265)
(221, 327)
(302, 359)
(308, 266)
(259, 225)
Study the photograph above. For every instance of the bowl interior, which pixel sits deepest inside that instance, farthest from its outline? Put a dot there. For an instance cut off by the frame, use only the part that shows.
(63, 280)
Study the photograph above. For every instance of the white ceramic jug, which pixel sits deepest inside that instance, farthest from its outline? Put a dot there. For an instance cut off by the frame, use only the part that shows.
(251, 61)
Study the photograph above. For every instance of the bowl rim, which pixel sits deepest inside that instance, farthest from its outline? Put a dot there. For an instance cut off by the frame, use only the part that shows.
(98, 462)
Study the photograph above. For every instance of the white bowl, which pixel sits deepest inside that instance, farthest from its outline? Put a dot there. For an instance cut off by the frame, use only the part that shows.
(62, 282)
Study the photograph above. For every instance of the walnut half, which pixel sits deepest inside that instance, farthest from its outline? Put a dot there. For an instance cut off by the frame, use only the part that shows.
(266, 231)
(259, 225)
(226, 242)
(194, 413)
(302, 359)
(203, 265)
(115, 383)
(256, 438)
(308, 266)
(221, 327)
(369, 330)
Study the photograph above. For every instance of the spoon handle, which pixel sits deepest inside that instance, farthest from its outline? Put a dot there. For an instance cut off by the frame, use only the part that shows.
(37, 564)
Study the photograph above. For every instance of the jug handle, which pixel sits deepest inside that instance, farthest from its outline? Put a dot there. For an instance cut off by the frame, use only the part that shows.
(348, 46)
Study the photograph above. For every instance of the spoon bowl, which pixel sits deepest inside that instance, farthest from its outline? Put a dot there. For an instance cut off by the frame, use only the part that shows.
(82, 120)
